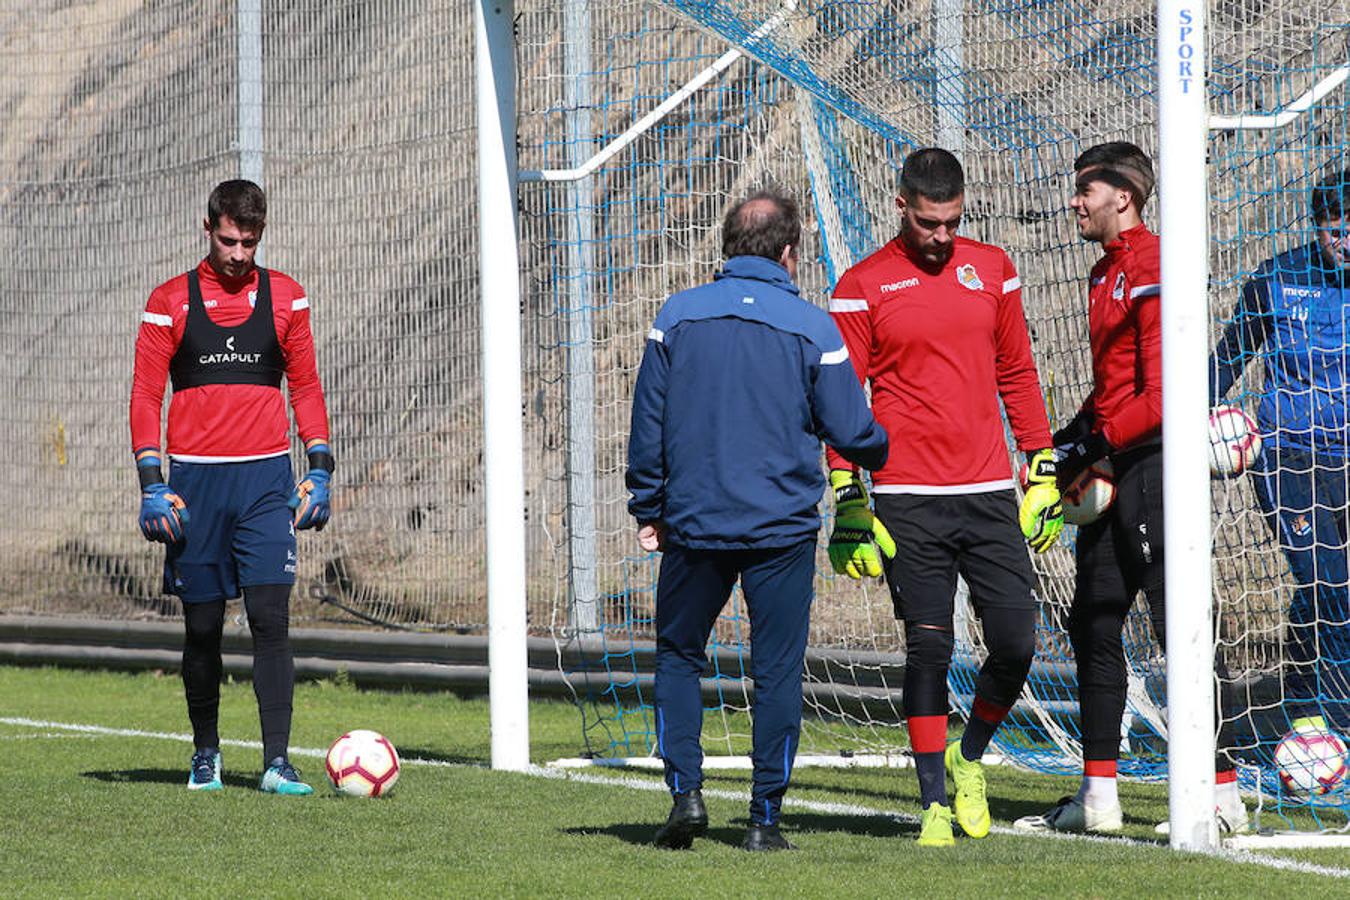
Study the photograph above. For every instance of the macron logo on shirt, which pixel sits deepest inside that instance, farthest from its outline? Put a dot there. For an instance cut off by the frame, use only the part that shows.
(900, 285)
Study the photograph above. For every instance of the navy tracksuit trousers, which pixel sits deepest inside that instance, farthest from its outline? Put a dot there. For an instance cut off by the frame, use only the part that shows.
(693, 587)
(1304, 498)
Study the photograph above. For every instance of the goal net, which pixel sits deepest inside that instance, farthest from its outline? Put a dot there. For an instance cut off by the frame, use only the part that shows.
(826, 99)
(120, 117)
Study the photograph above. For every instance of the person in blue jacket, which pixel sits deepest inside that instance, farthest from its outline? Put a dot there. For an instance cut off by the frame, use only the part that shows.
(1292, 315)
(740, 381)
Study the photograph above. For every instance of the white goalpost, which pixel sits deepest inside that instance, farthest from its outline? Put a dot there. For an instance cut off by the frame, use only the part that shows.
(503, 440)
(1184, 224)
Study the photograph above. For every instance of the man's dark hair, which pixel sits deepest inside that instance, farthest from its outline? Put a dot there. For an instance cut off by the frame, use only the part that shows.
(1331, 198)
(762, 225)
(932, 173)
(241, 200)
(1122, 165)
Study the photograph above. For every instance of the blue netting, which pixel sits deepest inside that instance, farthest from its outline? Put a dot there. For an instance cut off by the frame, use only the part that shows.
(838, 93)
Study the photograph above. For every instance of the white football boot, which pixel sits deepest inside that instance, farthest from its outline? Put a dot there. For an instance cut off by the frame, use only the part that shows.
(1070, 814)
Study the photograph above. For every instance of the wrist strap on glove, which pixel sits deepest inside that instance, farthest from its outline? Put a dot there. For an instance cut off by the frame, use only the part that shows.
(148, 467)
(848, 489)
(1041, 467)
(320, 456)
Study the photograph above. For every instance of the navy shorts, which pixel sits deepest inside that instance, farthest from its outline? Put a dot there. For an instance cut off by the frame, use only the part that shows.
(239, 531)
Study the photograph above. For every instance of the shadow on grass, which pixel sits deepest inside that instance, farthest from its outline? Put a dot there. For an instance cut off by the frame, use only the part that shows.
(162, 776)
(795, 824)
(641, 835)
(439, 756)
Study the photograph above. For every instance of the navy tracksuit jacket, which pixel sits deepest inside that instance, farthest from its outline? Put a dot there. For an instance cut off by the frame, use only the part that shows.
(740, 382)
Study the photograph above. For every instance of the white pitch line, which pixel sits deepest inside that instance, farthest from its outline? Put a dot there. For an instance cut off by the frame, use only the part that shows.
(187, 739)
(847, 809)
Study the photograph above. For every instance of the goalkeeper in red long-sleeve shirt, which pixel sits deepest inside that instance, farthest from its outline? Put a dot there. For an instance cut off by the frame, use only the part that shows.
(934, 321)
(226, 334)
(1121, 553)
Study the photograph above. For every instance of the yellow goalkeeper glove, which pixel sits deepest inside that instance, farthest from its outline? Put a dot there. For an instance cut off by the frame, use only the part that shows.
(1042, 513)
(858, 533)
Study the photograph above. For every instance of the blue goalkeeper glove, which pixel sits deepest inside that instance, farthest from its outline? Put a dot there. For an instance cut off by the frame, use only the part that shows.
(1042, 513)
(310, 501)
(164, 515)
(858, 534)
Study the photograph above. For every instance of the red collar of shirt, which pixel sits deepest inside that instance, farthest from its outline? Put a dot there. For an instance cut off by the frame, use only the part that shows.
(209, 277)
(1122, 242)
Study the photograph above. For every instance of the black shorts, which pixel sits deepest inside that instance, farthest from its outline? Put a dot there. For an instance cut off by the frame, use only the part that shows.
(938, 537)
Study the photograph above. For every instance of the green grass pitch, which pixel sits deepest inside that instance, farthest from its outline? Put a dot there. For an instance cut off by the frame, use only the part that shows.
(104, 813)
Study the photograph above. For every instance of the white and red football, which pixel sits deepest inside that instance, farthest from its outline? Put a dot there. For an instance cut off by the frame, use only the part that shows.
(362, 764)
(1091, 494)
(1311, 761)
(1233, 442)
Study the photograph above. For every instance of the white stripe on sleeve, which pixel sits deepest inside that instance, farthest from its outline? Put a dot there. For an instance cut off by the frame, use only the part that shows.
(656, 335)
(1146, 290)
(300, 303)
(157, 319)
(1012, 284)
(840, 305)
(834, 357)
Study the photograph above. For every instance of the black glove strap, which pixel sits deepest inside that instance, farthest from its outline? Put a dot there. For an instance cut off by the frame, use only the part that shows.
(322, 459)
(850, 491)
(1081, 455)
(1094, 447)
(149, 475)
(1042, 469)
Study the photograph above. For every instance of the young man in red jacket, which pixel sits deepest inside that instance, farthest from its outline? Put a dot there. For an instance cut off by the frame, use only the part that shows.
(934, 321)
(1121, 553)
(227, 333)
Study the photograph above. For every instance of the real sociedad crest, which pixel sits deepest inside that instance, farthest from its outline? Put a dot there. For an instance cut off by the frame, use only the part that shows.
(968, 277)
(1118, 289)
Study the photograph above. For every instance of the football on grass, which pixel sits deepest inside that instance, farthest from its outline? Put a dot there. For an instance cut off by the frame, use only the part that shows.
(1312, 761)
(362, 764)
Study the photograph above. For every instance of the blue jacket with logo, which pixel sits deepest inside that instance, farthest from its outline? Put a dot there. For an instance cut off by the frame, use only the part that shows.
(740, 382)
(1293, 315)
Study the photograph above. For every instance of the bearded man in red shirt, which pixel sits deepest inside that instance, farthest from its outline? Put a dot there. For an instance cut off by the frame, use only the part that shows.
(934, 322)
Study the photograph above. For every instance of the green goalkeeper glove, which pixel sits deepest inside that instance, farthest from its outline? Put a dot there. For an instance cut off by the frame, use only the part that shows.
(1042, 512)
(858, 533)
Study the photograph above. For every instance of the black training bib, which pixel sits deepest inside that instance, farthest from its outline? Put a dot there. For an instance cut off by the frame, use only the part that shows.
(248, 353)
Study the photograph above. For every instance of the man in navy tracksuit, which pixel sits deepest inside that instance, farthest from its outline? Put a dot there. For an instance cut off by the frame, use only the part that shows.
(1293, 315)
(740, 381)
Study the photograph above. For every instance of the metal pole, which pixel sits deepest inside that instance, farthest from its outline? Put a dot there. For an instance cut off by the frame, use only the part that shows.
(950, 84)
(250, 91)
(583, 611)
(1183, 208)
(503, 439)
(250, 125)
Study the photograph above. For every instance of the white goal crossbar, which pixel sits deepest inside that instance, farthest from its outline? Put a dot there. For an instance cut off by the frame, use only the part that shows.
(1289, 113)
(638, 128)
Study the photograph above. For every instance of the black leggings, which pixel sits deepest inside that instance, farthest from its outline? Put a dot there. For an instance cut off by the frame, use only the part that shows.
(268, 608)
(1119, 555)
(1009, 635)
